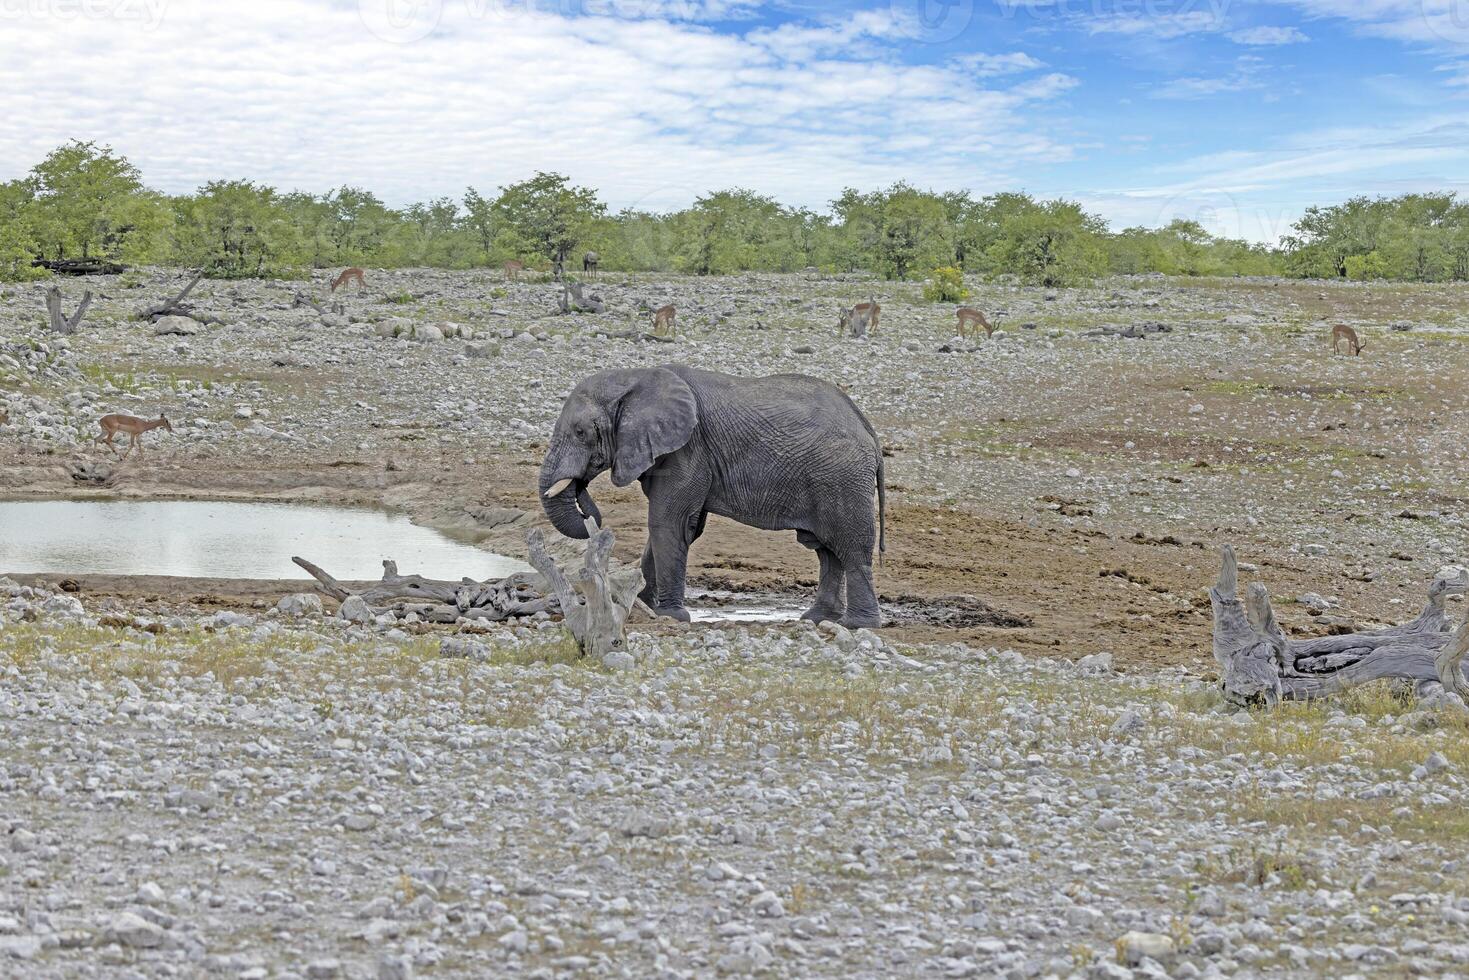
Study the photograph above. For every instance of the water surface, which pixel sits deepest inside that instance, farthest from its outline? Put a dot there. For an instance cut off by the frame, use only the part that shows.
(227, 539)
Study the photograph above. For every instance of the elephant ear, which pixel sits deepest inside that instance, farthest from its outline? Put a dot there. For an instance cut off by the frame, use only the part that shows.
(655, 416)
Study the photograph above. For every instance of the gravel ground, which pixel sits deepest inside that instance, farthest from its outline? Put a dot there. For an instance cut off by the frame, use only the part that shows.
(273, 796)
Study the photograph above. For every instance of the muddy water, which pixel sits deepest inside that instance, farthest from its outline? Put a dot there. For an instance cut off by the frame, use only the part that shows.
(206, 539)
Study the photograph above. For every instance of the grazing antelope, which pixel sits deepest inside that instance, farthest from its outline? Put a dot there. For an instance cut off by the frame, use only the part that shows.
(128, 425)
(589, 264)
(347, 276)
(861, 319)
(663, 318)
(1342, 332)
(513, 269)
(970, 318)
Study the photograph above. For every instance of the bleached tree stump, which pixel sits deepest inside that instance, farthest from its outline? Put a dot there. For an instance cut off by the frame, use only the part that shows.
(1258, 664)
(60, 322)
(597, 604)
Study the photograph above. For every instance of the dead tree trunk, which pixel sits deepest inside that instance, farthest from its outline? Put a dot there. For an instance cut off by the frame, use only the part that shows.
(1258, 664)
(597, 605)
(572, 300)
(176, 306)
(60, 323)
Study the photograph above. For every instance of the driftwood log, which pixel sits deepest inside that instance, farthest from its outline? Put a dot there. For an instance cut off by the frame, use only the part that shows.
(176, 306)
(520, 594)
(60, 322)
(597, 604)
(1259, 665)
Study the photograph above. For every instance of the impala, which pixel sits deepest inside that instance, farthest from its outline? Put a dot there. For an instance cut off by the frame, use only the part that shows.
(347, 276)
(663, 318)
(128, 425)
(1342, 332)
(972, 319)
(513, 269)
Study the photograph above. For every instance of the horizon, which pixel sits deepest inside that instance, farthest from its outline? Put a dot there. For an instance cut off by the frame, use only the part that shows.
(656, 102)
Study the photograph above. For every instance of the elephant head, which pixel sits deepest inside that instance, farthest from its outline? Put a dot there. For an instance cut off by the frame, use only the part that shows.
(621, 420)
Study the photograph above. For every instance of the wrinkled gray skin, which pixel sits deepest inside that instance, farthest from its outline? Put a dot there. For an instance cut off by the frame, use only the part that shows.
(786, 452)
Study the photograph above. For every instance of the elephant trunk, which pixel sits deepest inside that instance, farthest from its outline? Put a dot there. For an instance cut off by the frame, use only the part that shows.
(564, 498)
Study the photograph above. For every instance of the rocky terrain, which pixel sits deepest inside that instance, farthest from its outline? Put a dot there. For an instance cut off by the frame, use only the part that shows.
(1025, 773)
(287, 794)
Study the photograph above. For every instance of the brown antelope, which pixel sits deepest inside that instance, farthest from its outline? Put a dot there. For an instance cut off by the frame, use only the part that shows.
(128, 425)
(589, 264)
(4, 418)
(972, 319)
(513, 269)
(347, 276)
(861, 319)
(663, 318)
(1342, 332)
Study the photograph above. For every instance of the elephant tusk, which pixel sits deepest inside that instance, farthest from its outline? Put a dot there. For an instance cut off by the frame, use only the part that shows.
(560, 488)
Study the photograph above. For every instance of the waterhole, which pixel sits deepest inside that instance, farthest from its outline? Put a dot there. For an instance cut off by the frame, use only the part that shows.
(214, 539)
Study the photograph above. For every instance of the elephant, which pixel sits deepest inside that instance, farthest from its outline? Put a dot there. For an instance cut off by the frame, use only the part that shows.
(785, 452)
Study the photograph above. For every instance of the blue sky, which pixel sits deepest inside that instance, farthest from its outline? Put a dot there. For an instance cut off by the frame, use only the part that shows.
(1237, 114)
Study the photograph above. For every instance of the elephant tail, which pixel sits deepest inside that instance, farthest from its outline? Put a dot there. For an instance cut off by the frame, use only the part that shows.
(882, 509)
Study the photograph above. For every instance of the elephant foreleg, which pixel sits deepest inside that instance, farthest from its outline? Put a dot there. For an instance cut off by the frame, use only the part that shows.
(831, 602)
(668, 542)
(649, 595)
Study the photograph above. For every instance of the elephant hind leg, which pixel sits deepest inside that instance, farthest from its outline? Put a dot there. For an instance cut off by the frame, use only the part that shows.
(862, 607)
(831, 602)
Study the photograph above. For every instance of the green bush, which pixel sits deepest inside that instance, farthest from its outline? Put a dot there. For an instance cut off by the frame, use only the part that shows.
(945, 285)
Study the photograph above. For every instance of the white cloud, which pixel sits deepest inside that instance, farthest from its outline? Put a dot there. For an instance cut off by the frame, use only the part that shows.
(1158, 24)
(990, 65)
(1258, 193)
(1267, 36)
(652, 112)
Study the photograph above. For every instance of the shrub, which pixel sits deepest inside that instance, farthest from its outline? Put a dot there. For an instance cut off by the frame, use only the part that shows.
(945, 285)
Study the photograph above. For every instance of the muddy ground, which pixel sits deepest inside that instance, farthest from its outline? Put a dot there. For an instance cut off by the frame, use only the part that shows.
(1052, 491)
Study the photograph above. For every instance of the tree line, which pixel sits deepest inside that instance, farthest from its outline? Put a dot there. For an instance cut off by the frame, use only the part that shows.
(84, 201)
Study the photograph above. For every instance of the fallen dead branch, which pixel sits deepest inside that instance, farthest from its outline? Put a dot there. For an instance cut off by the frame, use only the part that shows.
(1258, 664)
(521, 594)
(177, 307)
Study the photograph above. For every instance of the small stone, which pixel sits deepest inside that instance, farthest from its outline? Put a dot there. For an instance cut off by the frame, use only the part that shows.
(767, 903)
(1128, 722)
(619, 660)
(1134, 947)
(355, 610)
(131, 929)
(324, 969)
(299, 604)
